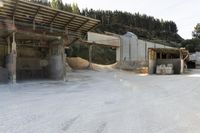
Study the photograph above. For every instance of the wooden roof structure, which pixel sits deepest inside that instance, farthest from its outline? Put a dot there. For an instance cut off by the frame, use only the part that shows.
(179, 51)
(42, 18)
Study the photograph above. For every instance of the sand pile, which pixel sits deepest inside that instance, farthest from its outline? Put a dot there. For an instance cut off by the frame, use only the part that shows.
(78, 63)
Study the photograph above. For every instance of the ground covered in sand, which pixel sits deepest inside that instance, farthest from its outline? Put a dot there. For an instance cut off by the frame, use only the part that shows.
(104, 101)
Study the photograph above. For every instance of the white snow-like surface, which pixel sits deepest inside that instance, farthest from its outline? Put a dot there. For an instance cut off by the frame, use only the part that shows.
(103, 102)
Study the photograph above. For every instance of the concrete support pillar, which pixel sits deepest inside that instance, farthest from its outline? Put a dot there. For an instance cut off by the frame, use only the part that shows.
(121, 52)
(90, 56)
(57, 63)
(152, 61)
(63, 55)
(12, 61)
(8, 42)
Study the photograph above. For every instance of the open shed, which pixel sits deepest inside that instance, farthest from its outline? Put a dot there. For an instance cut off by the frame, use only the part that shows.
(33, 38)
(173, 58)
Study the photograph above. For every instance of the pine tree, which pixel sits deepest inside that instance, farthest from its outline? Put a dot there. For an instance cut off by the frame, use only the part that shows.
(196, 32)
(75, 8)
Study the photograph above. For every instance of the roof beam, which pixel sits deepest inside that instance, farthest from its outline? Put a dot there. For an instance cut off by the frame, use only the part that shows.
(76, 39)
(82, 25)
(37, 12)
(96, 43)
(53, 19)
(34, 17)
(70, 21)
(15, 7)
(92, 27)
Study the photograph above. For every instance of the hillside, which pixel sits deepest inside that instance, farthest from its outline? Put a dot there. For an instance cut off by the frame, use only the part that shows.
(145, 27)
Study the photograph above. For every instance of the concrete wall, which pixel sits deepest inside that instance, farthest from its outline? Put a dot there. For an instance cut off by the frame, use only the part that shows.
(129, 46)
(118, 56)
(152, 66)
(135, 52)
(142, 50)
(178, 64)
(104, 39)
(131, 51)
(143, 47)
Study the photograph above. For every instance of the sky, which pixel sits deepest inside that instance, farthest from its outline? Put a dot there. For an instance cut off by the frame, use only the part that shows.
(185, 13)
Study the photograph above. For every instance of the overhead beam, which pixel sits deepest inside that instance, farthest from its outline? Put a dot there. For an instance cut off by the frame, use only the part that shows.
(93, 27)
(36, 34)
(32, 33)
(82, 25)
(53, 19)
(72, 19)
(51, 22)
(34, 17)
(98, 44)
(15, 7)
(76, 39)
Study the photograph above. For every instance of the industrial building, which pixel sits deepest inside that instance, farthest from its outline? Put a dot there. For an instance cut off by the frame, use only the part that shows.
(167, 60)
(33, 38)
(133, 53)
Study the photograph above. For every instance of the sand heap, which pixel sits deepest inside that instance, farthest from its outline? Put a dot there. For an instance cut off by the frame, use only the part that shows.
(78, 63)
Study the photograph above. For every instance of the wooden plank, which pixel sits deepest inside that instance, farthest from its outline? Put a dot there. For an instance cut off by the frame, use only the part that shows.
(27, 9)
(25, 5)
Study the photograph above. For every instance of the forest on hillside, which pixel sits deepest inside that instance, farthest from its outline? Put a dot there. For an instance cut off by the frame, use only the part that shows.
(145, 27)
